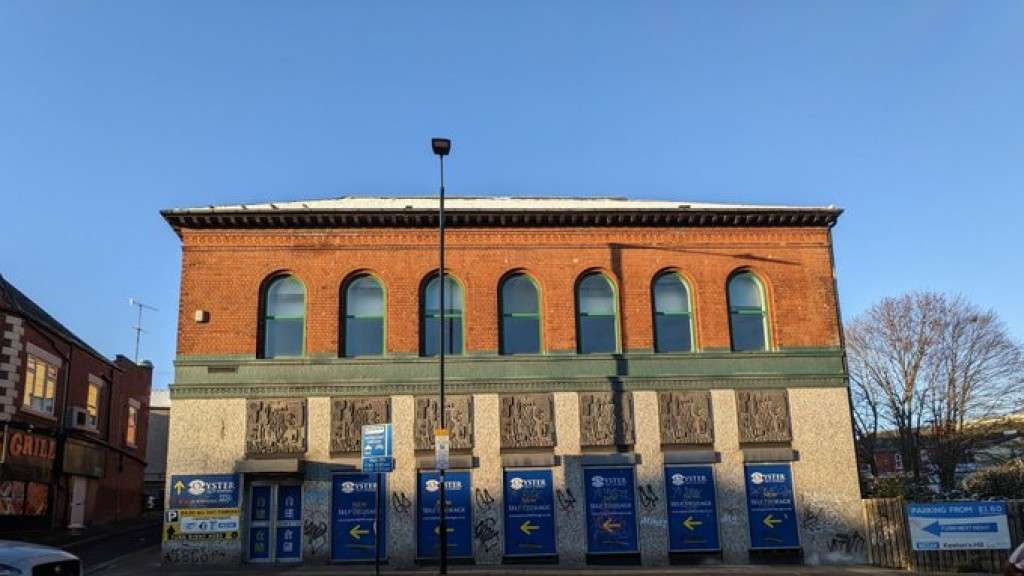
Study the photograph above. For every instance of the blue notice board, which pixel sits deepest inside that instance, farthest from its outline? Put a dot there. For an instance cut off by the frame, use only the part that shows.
(529, 513)
(458, 514)
(771, 507)
(204, 491)
(611, 510)
(692, 514)
(353, 513)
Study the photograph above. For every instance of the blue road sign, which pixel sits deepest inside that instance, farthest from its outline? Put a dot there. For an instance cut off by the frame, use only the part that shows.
(353, 513)
(958, 526)
(771, 507)
(204, 491)
(692, 514)
(529, 513)
(458, 514)
(376, 448)
(611, 510)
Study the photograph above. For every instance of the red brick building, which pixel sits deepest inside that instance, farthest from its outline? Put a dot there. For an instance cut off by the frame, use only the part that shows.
(584, 336)
(73, 424)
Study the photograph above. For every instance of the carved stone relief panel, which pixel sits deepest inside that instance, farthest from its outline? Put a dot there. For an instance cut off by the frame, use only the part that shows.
(458, 416)
(527, 421)
(606, 418)
(685, 417)
(275, 427)
(763, 416)
(348, 415)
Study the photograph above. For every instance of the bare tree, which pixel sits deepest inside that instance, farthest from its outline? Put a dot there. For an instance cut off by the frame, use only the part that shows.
(931, 369)
(888, 346)
(976, 374)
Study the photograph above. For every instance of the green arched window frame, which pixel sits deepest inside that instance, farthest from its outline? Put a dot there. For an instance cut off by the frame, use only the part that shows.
(673, 325)
(749, 329)
(360, 323)
(515, 322)
(282, 322)
(590, 323)
(453, 317)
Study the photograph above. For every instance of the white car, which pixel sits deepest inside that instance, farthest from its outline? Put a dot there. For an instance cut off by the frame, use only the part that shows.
(24, 558)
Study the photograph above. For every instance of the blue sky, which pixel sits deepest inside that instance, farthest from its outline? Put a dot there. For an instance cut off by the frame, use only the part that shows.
(906, 114)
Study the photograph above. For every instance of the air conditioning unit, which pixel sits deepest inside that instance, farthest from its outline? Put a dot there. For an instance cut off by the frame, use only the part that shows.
(80, 418)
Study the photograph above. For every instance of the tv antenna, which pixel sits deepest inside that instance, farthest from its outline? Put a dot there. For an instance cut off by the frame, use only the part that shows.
(138, 325)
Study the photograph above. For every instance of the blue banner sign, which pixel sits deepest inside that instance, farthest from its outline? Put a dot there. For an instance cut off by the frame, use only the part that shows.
(458, 515)
(289, 543)
(204, 491)
(289, 503)
(529, 513)
(259, 543)
(958, 526)
(376, 448)
(771, 507)
(353, 513)
(259, 508)
(611, 510)
(692, 514)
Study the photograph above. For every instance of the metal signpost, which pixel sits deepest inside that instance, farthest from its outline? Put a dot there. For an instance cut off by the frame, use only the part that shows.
(442, 147)
(771, 508)
(611, 510)
(958, 526)
(378, 458)
(529, 513)
(692, 514)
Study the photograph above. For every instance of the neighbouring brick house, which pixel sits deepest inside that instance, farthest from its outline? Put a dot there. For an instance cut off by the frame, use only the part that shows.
(73, 424)
(627, 381)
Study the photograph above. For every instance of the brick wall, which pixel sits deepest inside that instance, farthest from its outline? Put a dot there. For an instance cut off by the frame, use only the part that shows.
(223, 270)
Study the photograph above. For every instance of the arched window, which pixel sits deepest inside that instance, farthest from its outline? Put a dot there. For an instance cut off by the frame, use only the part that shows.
(673, 329)
(284, 318)
(520, 316)
(430, 325)
(748, 323)
(364, 317)
(596, 325)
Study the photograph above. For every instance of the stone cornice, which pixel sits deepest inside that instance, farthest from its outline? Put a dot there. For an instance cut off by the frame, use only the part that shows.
(653, 218)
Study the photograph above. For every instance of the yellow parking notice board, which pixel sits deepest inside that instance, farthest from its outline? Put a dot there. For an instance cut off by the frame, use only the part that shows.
(201, 524)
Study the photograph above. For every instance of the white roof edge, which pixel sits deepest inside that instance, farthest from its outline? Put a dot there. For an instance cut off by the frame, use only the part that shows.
(495, 203)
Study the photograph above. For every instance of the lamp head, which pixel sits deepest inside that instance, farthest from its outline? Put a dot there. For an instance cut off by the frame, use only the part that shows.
(441, 146)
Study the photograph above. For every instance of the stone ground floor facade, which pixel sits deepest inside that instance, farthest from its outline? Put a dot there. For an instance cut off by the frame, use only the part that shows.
(296, 464)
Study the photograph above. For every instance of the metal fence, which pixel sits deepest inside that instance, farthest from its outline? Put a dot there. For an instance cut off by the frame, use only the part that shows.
(889, 541)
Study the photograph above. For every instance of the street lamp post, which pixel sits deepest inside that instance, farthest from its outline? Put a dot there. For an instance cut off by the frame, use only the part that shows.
(441, 147)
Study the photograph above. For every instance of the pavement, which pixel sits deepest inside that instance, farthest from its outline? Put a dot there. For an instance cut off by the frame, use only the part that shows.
(147, 562)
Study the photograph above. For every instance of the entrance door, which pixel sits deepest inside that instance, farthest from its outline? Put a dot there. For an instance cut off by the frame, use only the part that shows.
(79, 490)
(275, 522)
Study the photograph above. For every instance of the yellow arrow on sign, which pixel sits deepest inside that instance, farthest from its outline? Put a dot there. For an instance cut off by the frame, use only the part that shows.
(610, 525)
(356, 533)
(691, 524)
(771, 522)
(179, 487)
(526, 527)
(437, 530)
